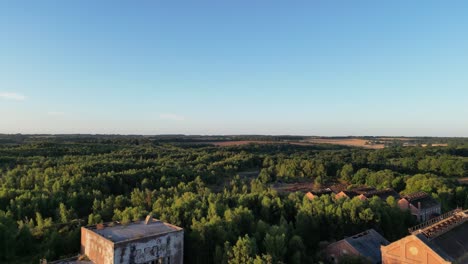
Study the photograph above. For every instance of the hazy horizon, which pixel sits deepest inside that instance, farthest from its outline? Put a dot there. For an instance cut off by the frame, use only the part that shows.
(228, 135)
(217, 68)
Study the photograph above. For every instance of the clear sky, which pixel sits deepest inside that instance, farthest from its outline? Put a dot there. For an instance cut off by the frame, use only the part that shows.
(234, 67)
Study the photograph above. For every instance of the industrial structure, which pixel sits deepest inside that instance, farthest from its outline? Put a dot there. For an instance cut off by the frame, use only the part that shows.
(366, 244)
(150, 241)
(421, 205)
(441, 240)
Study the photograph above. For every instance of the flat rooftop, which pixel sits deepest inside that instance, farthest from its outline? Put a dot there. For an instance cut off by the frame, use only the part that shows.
(73, 260)
(116, 232)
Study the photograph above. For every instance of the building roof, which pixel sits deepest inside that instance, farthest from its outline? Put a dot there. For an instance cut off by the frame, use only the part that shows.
(73, 260)
(338, 187)
(322, 191)
(310, 196)
(317, 193)
(448, 236)
(363, 189)
(422, 198)
(382, 194)
(116, 232)
(368, 244)
(350, 194)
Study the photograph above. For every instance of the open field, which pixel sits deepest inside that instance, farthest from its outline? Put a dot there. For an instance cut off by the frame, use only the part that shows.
(353, 142)
(368, 143)
(246, 142)
(436, 145)
(242, 142)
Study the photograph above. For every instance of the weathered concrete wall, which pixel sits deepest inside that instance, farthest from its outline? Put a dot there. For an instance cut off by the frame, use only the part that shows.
(97, 248)
(148, 249)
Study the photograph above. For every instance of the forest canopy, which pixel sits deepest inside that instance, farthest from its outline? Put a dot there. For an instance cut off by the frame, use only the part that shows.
(224, 197)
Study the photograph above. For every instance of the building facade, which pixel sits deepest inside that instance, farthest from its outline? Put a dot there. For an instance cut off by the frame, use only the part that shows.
(441, 240)
(421, 205)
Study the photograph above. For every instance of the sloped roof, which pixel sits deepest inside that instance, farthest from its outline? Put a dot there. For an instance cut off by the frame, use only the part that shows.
(363, 189)
(309, 195)
(322, 191)
(421, 197)
(382, 194)
(350, 194)
(368, 244)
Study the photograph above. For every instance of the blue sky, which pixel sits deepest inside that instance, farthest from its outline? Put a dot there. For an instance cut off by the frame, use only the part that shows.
(234, 67)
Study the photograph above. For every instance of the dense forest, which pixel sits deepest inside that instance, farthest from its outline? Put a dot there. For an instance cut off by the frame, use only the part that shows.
(50, 186)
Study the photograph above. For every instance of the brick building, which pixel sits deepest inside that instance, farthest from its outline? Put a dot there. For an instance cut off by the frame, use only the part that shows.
(314, 194)
(382, 194)
(346, 194)
(365, 193)
(441, 240)
(422, 206)
(149, 242)
(366, 244)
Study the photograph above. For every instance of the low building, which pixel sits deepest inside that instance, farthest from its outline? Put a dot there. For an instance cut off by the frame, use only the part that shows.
(366, 244)
(363, 189)
(422, 206)
(382, 194)
(150, 241)
(358, 191)
(314, 194)
(441, 240)
(346, 194)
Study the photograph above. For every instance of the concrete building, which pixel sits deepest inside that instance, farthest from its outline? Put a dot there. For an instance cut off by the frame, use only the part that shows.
(422, 206)
(441, 240)
(366, 244)
(150, 242)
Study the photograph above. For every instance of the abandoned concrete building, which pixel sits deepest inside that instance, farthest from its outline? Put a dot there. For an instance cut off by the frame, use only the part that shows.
(443, 239)
(366, 244)
(422, 206)
(150, 241)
